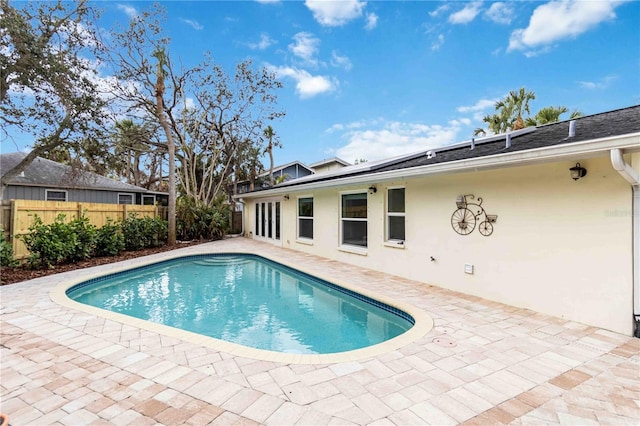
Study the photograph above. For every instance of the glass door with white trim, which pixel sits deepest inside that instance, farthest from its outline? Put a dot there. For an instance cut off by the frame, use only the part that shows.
(267, 221)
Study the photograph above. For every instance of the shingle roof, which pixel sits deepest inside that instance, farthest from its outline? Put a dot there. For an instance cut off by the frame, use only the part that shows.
(43, 172)
(607, 124)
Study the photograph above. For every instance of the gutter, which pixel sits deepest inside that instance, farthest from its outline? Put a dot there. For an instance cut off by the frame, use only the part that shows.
(631, 176)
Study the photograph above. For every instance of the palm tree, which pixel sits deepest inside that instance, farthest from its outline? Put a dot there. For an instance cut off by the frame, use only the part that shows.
(550, 114)
(131, 144)
(509, 112)
(270, 135)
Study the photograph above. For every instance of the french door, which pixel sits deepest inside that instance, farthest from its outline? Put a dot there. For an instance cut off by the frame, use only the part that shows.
(267, 221)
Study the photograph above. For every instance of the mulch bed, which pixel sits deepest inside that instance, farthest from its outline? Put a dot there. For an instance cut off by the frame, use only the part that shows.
(21, 273)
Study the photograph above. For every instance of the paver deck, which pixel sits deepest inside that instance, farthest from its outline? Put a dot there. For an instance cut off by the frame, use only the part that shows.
(482, 363)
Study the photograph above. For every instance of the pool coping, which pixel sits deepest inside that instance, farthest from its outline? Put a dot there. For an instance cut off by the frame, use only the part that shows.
(423, 322)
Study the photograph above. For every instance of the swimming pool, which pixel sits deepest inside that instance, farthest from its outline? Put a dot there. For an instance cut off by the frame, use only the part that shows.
(247, 300)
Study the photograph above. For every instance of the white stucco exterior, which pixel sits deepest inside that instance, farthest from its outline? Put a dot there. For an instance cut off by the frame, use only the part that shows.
(559, 246)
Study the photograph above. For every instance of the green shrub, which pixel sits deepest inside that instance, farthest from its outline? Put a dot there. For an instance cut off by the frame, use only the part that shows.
(49, 244)
(86, 239)
(195, 221)
(6, 252)
(109, 241)
(144, 232)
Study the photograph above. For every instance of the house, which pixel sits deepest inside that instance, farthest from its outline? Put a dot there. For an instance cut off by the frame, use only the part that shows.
(51, 181)
(328, 164)
(293, 170)
(544, 218)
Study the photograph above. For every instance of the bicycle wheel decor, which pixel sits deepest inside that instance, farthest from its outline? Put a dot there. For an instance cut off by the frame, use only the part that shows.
(463, 221)
(464, 218)
(485, 228)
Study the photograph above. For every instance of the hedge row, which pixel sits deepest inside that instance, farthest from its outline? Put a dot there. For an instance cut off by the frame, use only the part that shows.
(67, 242)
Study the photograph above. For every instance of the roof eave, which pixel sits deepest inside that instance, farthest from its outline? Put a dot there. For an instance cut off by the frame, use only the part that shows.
(590, 148)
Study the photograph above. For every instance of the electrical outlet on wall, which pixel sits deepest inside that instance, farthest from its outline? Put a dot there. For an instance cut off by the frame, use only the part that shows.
(468, 268)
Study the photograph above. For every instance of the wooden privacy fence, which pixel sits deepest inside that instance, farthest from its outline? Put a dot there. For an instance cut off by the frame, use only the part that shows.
(18, 215)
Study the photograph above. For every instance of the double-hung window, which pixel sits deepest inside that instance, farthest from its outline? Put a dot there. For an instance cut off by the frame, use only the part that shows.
(395, 215)
(305, 218)
(353, 219)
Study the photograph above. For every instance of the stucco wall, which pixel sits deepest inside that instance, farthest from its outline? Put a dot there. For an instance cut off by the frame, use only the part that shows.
(559, 246)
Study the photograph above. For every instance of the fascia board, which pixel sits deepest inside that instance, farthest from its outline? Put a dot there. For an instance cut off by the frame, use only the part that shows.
(589, 148)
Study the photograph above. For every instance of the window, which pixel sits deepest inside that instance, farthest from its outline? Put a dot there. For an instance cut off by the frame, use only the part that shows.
(353, 219)
(305, 217)
(148, 200)
(395, 214)
(125, 198)
(55, 195)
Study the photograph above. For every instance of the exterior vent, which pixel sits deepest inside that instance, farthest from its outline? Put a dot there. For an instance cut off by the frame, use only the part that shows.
(508, 141)
(572, 128)
(431, 154)
(473, 143)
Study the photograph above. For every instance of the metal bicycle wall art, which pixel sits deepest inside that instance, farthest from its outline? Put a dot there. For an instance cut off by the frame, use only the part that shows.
(464, 219)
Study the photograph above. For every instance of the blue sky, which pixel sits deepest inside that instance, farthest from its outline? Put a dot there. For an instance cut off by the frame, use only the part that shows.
(382, 78)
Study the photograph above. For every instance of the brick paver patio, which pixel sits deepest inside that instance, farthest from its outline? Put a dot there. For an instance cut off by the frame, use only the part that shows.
(482, 363)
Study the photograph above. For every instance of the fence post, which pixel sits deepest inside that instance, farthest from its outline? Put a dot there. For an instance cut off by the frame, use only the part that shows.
(124, 212)
(80, 210)
(12, 227)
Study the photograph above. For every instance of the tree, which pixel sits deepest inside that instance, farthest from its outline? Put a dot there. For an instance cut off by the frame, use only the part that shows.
(209, 117)
(510, 114)
(271, 143)
(48, 80)
(550, 114)
(171, 147)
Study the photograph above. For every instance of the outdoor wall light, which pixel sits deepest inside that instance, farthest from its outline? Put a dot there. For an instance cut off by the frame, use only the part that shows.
(577, 172)
(286, 197)
(373, 189)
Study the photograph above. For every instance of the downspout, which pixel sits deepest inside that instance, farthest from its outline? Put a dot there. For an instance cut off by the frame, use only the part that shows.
(631, 176)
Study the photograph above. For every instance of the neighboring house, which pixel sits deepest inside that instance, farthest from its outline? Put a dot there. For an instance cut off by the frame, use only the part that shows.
(286, 172)
(328, 165)
(544, 218)
(51, 181)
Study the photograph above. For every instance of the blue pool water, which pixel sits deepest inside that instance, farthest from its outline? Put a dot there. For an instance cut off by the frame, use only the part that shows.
(248, 300)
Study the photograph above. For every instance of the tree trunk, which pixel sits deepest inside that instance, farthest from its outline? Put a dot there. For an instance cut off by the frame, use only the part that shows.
(171, 148)
(271, 182)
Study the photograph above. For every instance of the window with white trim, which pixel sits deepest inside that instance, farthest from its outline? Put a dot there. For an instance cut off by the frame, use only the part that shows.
(305, 218)
(353, 219)
(125, 199)
(395, 215)
(55, 195)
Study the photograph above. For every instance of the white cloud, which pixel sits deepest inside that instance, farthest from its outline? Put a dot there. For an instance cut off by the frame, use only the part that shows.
(130, 11)
(500, 13)
(372, 21)
(335, 13)
(467, 14)
(307, 85)
(265, 42)
(598, 85)
(561, 19)
(481, 105)
(195, 24)
(340, 61)
(477, 111)
(305, 47)
(439, 11)
(394, 138)
(436, 45)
